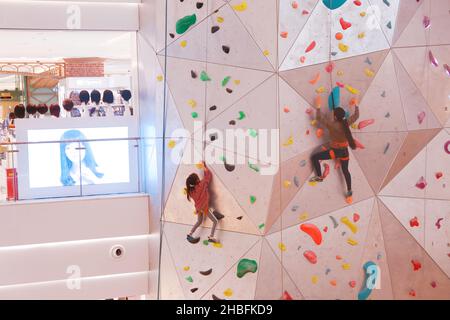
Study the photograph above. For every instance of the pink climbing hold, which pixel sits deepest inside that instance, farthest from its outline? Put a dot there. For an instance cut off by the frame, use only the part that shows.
(312, 231)
(433, 60)
(426, 22)
(294, 4)
(310, 256)
(438, 223)
(422, 183)
(447, 69)
(433, 284)
(365, 123)
(329, 68)
(421, 116)
(447, 147)
(312, 46)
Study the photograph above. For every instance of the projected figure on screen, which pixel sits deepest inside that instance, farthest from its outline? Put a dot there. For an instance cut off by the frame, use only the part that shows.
(77, 161)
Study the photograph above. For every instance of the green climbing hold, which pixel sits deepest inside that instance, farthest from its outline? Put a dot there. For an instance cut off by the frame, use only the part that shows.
(253, 167)
(194, 115)
(205, 242)
(245, 266)
(204, 76)
(241, 115)
(185, 23)
(189, 279)
(225, 81)
(252, 199)
(253, 133)
(262, 225)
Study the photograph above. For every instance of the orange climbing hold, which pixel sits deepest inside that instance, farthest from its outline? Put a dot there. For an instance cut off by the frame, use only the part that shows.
(312, 231)
(315, 79)
(339, 36)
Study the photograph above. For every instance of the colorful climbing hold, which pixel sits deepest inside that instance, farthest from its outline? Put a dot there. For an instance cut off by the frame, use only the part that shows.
(245, 266)
(185, 23)
(353, 228)
(310, 256)
(313, 231)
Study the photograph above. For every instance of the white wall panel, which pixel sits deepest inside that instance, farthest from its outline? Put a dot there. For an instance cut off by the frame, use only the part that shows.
(105, 287)
(59, 261)
(33, 222)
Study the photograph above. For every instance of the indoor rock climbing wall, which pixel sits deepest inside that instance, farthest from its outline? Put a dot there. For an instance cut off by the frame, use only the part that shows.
(260, 64)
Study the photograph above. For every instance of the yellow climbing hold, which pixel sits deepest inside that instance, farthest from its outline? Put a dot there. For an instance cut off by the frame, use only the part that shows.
(171, 144)
(361, 35)
(363, 14)
(199, 166)
(320, 90)
(237, 82)
(369, 73)
(183, 44)
(351, 89)
(340, 73)
(353, 228)
(217, 245)
(187, 268)
(160, 78)
(343, 47)
(286, 183)
(192, 103)
(228, 292)
(314, 279)
(346, 266)
(281, 246)
(352, 242)
(314, 122)
(266, 52)
(289, 141)
(303, 216)
(220, 19)
(312, 183)
(354, 126)
(240, 7)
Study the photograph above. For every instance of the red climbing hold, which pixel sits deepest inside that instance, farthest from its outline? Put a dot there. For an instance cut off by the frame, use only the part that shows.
(365, 123)
(433, 284)
(414, 222)
(439, 175)
(312, 231)
(325, 229)
(352, 284)
(355, 217)
(311, 47)
(416, 265)
(329, 68)
(412, 293)
(344, 24)
(422, 183)
(310, 256)
(357, 3)
(286, 296)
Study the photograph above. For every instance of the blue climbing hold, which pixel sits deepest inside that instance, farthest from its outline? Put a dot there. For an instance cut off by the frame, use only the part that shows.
(370, 281)
(333, 4)
(334, 100)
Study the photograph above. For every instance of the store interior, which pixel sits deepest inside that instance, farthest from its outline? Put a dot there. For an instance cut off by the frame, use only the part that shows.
(44, 76)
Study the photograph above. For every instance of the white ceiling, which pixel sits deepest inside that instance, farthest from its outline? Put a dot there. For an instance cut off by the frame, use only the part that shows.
(22, 45)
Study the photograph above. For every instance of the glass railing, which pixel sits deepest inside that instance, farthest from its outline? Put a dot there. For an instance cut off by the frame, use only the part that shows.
(69, 168)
